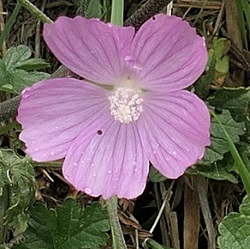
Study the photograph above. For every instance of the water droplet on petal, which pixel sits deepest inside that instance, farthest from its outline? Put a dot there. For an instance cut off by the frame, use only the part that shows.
(116, 179)
(154, 151)
(88, 191)
(174, 152)
(33, 141)
(36, 150)
(94, 175)
(135, 170)
(57, 127)
(109, 172)
(52, 153)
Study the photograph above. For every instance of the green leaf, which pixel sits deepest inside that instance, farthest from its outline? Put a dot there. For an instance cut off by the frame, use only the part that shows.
(236, 100)
(20, 79)
(235, 228)
(13, 77)
(155, 175)
(219, 144)
(16, 54)
(94, 9)
(155, 245)
(17, 189)
(202, 85)
(66, 227)
(220, 170)
(32, 64)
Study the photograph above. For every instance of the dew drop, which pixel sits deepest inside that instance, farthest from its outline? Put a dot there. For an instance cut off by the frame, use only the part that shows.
(57, 127)
(174, 152)
(52, 153)
(116, 179)
(135, 170)
(36, 150)
(154, 151)
(88, 191)
(94, 175)
(75, 164)
(109, 172)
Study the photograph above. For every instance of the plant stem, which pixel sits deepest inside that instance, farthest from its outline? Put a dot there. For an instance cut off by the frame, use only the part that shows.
(117, 12)
(4, 205)
(242, 169)
(35, 11)
(10, 23)
(117, 235)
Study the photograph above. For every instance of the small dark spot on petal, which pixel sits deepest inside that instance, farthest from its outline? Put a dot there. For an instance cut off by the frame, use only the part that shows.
(153, 18)
(99, 132)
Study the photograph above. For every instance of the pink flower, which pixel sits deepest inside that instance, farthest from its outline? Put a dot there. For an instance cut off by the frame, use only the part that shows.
(129, 109)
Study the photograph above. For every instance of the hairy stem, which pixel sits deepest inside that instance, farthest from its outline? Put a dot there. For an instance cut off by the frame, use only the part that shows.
(35, 11)
(117, 235)
(150, 8)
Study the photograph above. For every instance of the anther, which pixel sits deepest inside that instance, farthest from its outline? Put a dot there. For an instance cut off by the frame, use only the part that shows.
(125, 105)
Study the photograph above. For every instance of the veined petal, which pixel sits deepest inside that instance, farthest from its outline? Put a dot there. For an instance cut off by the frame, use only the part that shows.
(174, 130)
(54, 112)
(167, 54)
(90, 48)
(109, 162)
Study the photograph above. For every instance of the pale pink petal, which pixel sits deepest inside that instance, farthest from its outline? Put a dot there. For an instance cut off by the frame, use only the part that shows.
(174, 130)
(167, 54)
(90, 48)
(109, 162)
(54, 112)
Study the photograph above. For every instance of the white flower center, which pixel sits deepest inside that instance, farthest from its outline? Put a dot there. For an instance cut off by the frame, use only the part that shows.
(125, 105)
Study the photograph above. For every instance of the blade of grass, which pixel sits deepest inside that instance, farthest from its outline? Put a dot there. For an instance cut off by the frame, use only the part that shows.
(9, 24)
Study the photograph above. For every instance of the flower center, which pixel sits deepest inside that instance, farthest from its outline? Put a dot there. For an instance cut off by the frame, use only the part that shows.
(125, 105)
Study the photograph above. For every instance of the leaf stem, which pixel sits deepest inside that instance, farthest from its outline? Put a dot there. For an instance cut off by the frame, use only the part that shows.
(242, 169)
(117, 12)
(35, 11)
(117, 235)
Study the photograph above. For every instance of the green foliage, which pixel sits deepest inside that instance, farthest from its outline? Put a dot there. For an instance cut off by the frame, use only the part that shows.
(155, 175)
(236, 100)
(94, 9)
(235, 228)
(89, 8)
(68, 226)
(17, 190)
(217, 66)
(219, 170)
(219, 144)
(16, 69)
(216, 164)
(154, 245)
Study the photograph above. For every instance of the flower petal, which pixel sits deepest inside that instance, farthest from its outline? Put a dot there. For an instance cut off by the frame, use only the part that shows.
(110, 162)
(174, 130)
(167, 54)
(54, 112)
(90, 48)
